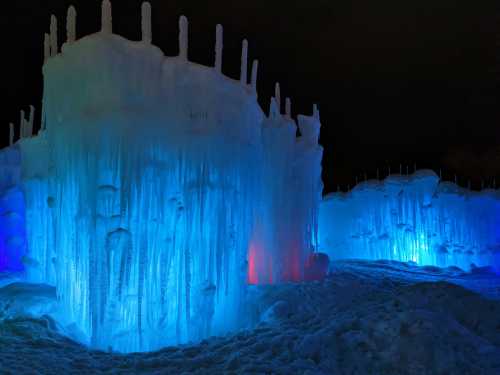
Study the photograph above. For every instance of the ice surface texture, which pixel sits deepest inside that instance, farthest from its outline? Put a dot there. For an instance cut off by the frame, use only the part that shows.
(415, 218)
(151, 180)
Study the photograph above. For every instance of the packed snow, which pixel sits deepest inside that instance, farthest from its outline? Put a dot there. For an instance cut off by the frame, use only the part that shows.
(365, 318)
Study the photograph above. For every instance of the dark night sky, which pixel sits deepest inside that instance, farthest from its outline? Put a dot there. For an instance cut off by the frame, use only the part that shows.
(396, 81)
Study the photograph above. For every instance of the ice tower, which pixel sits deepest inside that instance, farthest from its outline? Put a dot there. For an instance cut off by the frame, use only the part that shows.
(156, 189)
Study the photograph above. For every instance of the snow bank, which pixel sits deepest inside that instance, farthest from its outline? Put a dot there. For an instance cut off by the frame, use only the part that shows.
(366, 318)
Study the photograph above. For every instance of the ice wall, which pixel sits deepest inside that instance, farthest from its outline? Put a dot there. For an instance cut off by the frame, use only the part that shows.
(292, 189)
(413, 218)
(152, 181)
(12, 212)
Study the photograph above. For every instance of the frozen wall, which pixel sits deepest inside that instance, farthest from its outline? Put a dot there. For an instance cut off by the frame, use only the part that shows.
(12, 211)
(152, 182)
(414, 218)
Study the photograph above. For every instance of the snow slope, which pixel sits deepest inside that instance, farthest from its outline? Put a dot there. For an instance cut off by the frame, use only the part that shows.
(366, 318)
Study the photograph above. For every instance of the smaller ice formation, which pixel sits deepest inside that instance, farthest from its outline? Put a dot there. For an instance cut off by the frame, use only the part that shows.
(413, 218)
(156, 189)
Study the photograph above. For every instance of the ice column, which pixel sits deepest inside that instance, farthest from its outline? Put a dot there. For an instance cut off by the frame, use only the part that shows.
(53, 36)
(244, 62)
(71, 24)
(218, 47)
(106, 17)
(146, 22)
(183, 38)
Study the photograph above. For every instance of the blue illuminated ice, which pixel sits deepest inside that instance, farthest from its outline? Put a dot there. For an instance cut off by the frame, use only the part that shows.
(413, 218)
(157, 188)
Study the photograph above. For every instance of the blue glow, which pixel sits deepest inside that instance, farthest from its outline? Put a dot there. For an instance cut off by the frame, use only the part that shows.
(413, 218)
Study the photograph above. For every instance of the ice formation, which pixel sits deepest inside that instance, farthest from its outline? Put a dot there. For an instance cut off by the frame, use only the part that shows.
(413, 218)
(156, 189)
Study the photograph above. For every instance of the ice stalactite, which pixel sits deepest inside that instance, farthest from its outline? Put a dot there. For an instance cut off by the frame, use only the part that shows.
(218, 47)
(146, 22)
(244, 63)
(183, 37)
(53, 36)
(106, 17)
(71, 25)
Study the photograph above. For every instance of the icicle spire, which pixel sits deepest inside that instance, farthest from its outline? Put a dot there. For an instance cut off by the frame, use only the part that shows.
(219, 32)
(244, 62)
(106, 17)
(53, 36)
(183, 37)
(22, 125)
(31, 121)
(146, 22)
(255, 69)
(288, 107)
(71, 25)
(315, 112)
(277, 95)
(273, 108)
(11, 134)
(46, 47)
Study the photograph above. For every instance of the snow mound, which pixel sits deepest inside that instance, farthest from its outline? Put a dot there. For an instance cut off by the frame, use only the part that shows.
(365, 318)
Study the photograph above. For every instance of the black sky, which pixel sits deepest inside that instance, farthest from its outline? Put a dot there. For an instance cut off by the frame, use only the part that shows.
(397, 82)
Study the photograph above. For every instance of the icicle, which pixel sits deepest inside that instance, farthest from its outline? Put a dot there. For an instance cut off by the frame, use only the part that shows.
(277, 95)
(288, 107)
(315, 112)
(106, 17)
(71, 24)
(46, 48)
(53, 36)
(22, 125)
(273, 109)
(31, 121)
(219, 32)
(244, 63)
(146, 22)
(11, 134)
(255, 69)
(183, 38)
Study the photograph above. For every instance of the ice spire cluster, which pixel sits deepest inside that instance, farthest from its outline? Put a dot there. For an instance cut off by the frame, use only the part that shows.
(156, 189)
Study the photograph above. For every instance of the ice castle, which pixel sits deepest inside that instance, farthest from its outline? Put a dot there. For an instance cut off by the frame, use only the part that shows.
(157, 190)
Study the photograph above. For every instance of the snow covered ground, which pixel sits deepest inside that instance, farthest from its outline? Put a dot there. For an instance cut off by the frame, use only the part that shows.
(366, 318)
